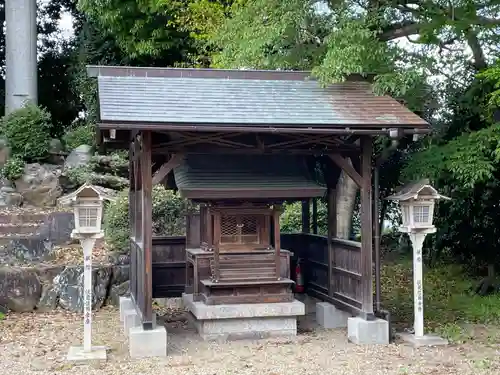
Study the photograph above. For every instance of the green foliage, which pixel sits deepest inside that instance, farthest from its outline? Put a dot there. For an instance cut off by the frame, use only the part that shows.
(169, 212)
(2, 316)
(81, 134)
(152, 28)
(28, 132)
(79, 175)
(13, 168)
(291, 218)
(449, 303)
(470, 159)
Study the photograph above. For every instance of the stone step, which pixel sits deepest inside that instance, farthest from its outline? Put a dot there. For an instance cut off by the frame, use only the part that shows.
(23, 218)
(20, 229)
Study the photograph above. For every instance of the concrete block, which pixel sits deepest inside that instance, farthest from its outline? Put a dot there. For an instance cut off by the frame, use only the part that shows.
(125, 304)
(361, 332)
(426, 340)
(78, 354)
(328, 316)
(130, 320)
(248, 310)
(152, 343)
(245, 328)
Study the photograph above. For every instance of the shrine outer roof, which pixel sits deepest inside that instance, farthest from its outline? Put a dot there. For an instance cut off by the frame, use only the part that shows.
(163, 97)
(245, 177)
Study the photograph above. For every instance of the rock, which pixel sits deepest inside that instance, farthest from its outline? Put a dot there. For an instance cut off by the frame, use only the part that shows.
(119, 259)
(79, 157)
(121, 273)
(4, 151)
(69, 286)
(30, 249)
(118, 291)
(55, 146)
(20, 288)
(56, 152)
(39, 185)
(50, 296)
(9, 197)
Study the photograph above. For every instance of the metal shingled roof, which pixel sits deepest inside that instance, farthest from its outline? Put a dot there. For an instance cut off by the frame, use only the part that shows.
(198, 100)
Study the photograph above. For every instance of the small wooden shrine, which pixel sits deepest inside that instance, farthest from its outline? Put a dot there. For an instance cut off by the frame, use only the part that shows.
(237, 257)
(240, 143)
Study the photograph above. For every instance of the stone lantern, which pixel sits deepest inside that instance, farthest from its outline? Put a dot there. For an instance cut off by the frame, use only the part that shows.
(87, 203)
(417, 201)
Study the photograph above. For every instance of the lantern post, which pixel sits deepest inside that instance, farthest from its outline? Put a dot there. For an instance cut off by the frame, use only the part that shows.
(417, 201)
(87, 203)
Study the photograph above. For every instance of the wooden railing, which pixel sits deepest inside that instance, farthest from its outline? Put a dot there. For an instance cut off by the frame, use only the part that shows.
(168, 273)
(339, 282)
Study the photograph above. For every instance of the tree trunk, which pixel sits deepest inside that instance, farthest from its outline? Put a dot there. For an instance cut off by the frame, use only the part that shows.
(346, 198)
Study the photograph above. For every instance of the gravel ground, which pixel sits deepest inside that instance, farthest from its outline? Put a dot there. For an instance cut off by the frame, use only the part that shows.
(38, 343)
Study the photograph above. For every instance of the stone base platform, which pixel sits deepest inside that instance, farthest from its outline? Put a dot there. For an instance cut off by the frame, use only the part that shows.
(244, 321)
(426, 340)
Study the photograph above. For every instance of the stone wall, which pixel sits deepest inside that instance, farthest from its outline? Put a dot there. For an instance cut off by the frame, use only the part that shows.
(47, 287)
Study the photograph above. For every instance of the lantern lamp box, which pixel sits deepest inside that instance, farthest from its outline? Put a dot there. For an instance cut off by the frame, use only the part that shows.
(417, 201)
(87, 202)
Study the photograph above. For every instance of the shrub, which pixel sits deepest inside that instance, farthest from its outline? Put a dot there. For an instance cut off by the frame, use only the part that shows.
(81, 134)
(291, 218)
(169, 211)
(28, 132)
(13, 168)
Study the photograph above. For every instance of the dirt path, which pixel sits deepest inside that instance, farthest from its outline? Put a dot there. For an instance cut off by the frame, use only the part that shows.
(38, 343)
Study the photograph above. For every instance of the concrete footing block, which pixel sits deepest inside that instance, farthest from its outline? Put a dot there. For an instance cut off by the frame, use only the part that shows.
(151, 343)
(370, 332)
(426, 340)
(328, 316)
(125, 304)
(244, 321)
(130, 320)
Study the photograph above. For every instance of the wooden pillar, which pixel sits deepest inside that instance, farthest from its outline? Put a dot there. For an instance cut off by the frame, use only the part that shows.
(366, 226)
(306, 217)
(216, 242)
(315, 215)
(332, 229)
(131, 195)
(147, 228)
(277, 241)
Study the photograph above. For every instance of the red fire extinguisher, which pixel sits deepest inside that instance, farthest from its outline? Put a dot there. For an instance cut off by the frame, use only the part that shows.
(299, 280)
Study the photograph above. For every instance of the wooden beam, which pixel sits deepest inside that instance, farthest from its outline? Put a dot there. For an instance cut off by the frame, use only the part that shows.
(306, 217)
(315, 215)
(165, 169)
(347, 168)
(332, 231)
(147, 229)
(366, 226)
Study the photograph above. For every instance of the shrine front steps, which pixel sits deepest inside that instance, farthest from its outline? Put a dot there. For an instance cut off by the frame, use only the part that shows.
(244, 321)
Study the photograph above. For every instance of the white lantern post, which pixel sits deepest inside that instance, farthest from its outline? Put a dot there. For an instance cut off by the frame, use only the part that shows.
(417, 202)
(87, 203)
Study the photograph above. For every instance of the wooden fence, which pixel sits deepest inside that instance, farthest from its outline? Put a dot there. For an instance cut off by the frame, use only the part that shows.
(331, 273)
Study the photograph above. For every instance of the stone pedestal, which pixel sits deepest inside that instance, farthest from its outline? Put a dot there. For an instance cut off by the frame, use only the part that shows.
(125, 304)
(244, 321)
(426, 340)
(151, 343)
(328, 316)
(361, 332)
(131, 319)
(78, 354)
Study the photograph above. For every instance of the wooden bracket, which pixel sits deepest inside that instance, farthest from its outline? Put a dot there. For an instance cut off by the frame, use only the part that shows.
(165, 169)
(347, 168)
